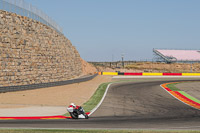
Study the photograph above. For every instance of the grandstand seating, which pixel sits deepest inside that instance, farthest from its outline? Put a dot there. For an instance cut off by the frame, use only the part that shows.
(178, 55)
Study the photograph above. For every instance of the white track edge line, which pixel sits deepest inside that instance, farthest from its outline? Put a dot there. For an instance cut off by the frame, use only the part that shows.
(102, 99)
(177, 98)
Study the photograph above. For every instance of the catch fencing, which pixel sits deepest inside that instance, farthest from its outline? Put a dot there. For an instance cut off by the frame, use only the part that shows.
(22, 8)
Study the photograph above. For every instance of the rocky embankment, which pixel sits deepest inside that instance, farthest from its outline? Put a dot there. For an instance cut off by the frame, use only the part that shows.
(33, 53)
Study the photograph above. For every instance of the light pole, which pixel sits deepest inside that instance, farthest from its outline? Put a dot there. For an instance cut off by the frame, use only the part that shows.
(122, 60)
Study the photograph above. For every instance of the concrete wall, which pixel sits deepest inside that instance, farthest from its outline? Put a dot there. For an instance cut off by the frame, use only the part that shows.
(33, 53)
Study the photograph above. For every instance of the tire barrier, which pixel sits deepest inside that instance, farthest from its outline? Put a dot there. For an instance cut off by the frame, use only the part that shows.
(149, 74)
(44, 85)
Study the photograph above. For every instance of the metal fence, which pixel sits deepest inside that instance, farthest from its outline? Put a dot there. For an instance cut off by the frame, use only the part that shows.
(22, 8)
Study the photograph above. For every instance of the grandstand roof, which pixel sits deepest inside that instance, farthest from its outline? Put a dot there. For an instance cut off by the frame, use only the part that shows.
(179, 55)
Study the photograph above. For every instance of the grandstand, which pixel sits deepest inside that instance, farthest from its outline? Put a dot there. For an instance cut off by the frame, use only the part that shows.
(170, 56)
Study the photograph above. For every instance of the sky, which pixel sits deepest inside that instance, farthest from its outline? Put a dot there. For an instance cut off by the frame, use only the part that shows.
(104, 30)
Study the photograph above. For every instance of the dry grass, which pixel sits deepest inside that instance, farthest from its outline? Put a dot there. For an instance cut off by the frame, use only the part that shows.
(163, 67)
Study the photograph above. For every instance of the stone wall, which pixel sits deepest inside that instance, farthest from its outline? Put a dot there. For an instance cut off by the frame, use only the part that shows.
(33, 53)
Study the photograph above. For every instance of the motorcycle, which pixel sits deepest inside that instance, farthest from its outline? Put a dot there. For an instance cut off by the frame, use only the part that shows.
(77, 113)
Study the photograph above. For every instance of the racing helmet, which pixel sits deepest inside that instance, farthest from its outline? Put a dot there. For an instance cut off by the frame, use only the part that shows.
(73, 104)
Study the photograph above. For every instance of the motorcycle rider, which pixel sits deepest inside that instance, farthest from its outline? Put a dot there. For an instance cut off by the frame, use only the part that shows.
(72, 105)
(76, 111)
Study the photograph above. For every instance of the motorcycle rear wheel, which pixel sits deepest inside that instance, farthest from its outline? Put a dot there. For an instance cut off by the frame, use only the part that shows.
(74, 115)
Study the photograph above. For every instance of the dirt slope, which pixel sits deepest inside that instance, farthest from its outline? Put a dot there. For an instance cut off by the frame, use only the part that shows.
(87, 68)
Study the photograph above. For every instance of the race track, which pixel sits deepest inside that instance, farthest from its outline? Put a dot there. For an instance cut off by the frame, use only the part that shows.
(143, 105)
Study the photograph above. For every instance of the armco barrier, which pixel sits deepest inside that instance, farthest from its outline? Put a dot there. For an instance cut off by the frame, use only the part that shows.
(149, 74)
(45, 85)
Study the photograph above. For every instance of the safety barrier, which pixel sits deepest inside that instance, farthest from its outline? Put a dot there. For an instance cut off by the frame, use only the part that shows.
(152, 74)
(190, 74)
(110, 73)
(45, 85)
(149, 74)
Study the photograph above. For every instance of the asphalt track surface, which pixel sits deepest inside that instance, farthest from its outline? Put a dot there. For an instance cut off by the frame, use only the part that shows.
(143, 105)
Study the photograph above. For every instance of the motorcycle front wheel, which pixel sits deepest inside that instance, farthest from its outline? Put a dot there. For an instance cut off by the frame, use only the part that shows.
(86, 116)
